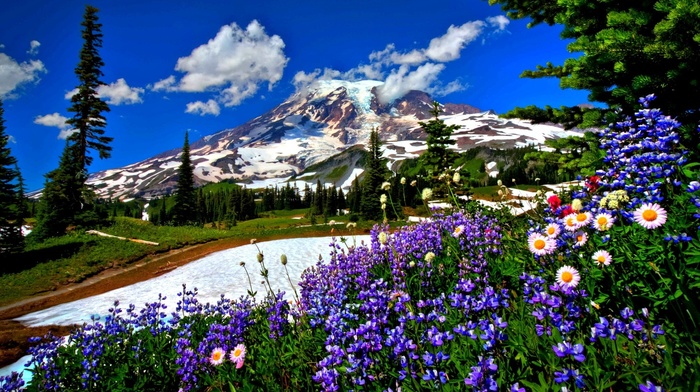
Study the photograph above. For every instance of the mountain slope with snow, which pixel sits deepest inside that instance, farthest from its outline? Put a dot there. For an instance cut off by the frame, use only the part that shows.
(311, 126)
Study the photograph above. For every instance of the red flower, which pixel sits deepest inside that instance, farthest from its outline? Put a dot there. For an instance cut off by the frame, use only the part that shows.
(566, 211)
(554, 202)
(593, 183)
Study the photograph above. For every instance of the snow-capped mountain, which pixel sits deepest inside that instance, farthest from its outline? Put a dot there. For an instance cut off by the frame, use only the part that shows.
(312, 126)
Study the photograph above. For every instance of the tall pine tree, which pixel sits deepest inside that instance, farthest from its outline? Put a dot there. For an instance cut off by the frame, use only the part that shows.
(11, 240)
(438, 157)
(66, 200)
(375, 174)
(185, 209)
(88, 121)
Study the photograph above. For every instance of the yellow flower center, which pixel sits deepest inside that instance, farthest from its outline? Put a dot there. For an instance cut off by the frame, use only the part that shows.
(216, 355)
(237, 353)
(579, 238)
(649, 215)
(581, 217)
(601, 259)
(539, 244)
(602, 221)
(567, 276)
(550, 230)
(570, 222)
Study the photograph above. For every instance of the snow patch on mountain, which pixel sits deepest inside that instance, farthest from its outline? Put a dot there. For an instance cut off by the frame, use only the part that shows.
(360, 92)
(327, 118)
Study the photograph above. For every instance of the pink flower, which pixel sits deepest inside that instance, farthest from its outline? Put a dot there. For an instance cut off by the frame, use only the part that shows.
(541, 245)
(650, 215)
(237, 355)
(217, 356)
(602, 257)
(568, 276)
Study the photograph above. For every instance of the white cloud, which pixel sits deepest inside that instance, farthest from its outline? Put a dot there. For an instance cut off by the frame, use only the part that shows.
(34, 47)
(403, 80)
(116, 93)
(11, 139)
(203, 108)
(52, 120)
(449, 46)
(167, 84)
(120, 92)
(389, 56)
(302, 79)
(71, 93)
(14, 74)
(449, 88)
(415, 69)
(499, 21)
(55, 120)
(234, 63)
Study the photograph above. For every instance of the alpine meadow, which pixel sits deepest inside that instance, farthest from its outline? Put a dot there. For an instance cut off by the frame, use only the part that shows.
(553, 247)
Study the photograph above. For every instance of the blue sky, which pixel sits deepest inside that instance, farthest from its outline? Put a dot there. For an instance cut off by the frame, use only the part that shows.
(173, 66)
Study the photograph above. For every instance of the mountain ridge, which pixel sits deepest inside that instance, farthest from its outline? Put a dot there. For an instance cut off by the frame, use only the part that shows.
(311, 126)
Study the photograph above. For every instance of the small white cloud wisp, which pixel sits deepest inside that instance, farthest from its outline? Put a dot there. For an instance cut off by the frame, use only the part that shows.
(204, 108)
(14, 74)
(117, 93)
(55, 120)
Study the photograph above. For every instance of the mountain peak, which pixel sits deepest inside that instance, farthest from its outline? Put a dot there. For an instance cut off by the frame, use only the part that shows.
(326, 118)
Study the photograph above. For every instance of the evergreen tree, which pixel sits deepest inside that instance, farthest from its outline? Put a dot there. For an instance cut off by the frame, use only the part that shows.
(308, 196)
(342, 203)
(330, 206)
(61, 199)
(438, 157)
(11, 200)
(22, 209)
(185, 209)
(569, 157)
(355, 196)
(66, 200)
(248, 210)
(163, 215)
(204, 211)
(620, 51)
(318, 198)
(375, 174)
(88, 121)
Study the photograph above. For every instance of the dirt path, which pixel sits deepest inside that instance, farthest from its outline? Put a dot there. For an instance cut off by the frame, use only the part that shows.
(14, 335)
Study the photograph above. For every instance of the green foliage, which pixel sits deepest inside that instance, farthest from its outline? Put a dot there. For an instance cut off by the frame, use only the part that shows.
(12, 211)
(438, 157)
(88, 107)
(375, 174)
(571, 156)
(66, 201)
(569, 117)
(62, 197)
(185, 208)
(620, 51)
(473, 300)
